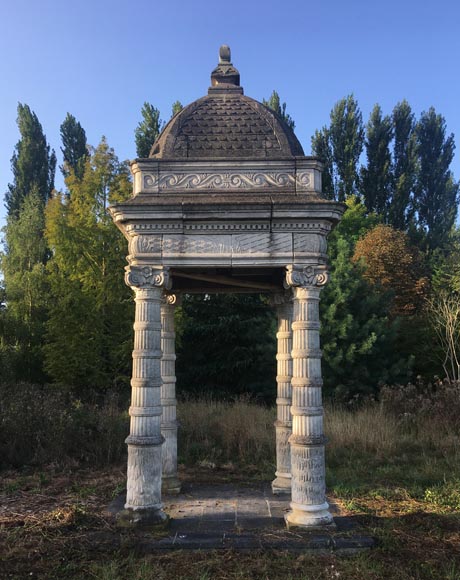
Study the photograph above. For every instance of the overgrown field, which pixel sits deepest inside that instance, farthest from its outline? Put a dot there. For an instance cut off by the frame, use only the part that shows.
(393, 465)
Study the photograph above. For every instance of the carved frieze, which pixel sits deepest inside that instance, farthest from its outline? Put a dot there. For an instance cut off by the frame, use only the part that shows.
(302, 180)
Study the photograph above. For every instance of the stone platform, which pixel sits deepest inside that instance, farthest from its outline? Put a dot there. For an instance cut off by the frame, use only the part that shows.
(229, 516)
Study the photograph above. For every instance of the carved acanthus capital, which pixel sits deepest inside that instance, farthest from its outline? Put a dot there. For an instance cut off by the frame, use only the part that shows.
(147, 277)
(306, 276)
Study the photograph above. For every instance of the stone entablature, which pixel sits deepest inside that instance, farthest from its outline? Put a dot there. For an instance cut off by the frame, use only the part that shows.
(298, 175)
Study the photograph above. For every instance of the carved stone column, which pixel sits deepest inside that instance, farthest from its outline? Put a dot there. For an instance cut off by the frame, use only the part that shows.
(170, 481)
(283, 423)
(143, 499)
(309, 506)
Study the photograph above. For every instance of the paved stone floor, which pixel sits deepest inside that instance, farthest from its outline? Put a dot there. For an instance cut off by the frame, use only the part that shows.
(224, 516)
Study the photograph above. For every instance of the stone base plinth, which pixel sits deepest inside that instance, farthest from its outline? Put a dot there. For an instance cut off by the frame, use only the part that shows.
(170, 486)
(145, 518)
(281, 486)
(311, 517)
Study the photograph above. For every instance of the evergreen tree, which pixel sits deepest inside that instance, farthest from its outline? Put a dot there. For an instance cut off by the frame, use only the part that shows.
(357, 335)
(401, 208)
(274, 103)
(32, 163)
(321, 148)
(376, 178)
(147, 131)
(436, 192)
(26, 289)
(346, 134)
(75, 147)
(227, 346)
(91, 310)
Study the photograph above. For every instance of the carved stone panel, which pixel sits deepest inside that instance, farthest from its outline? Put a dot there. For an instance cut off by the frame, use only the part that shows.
(261, 245)
(189, 246)
(307, 244)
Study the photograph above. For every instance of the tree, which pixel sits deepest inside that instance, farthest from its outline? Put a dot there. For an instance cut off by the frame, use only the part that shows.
(32, 163)
(391, 263)
(26, 288)
(149, 128)
(401, 210)
(91, 309)
(436, 192)
(75, 147)
(229, 346)
(444, 313)
(357, 335)
(376, 178)
(274, 103)
(176, 108)
(346, 134)
(321, 148)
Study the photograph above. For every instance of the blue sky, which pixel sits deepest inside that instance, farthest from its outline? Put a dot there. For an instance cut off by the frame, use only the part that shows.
(101, 60)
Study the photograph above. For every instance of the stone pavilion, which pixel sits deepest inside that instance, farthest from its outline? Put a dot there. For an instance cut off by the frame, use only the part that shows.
(227, 202)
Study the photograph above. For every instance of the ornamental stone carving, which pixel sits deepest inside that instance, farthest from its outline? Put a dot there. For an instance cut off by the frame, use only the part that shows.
(305, 276)
(147, 277)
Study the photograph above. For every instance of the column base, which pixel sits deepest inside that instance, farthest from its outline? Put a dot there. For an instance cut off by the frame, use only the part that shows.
(309, 516)
(281, 485)
(170, 485)
(142, 518)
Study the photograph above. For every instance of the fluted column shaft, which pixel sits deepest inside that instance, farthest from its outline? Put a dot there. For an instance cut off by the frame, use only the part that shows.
(143, 498)
(170, 481)
(283, 424)
(309, 506)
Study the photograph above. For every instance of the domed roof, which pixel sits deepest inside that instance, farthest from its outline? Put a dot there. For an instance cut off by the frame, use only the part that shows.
(225, 124)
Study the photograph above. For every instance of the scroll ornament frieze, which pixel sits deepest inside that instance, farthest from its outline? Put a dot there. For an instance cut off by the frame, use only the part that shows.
(306, 276)
(246, 180)
(147, 277)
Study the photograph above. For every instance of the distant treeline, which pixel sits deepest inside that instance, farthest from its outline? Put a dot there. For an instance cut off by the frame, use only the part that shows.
(389, 312)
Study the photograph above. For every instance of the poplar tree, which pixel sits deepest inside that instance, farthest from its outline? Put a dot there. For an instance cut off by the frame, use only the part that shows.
(75, 147)
(376, 177)
(274, 103)
(321, 148)
(149, 128)
(436, 192)
(346, 133)
(32, 164)
(401, 210)
(176, 108)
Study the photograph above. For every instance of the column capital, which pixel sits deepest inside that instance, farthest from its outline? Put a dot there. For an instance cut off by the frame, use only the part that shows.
(147, 277)
(306, 276)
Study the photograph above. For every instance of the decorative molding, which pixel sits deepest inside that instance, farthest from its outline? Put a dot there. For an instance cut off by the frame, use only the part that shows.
(147, 277)
(307, 439)
(317, 227)
(228, 180)
(305, 276)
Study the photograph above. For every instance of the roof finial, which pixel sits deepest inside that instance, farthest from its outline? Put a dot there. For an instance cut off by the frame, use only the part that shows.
(225, 77)
(225, 55)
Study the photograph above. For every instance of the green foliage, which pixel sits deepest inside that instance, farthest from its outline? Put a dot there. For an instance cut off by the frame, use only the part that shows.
(148, 129)
(227, 346)
(376, 178)
(357, 335)
(26, 289)
(436, 192)
(346, 134)
(91, 310)
(274, 103)
(401, 208)
(75, 147)
(32, 164)
(321, 147)
(176, 108)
